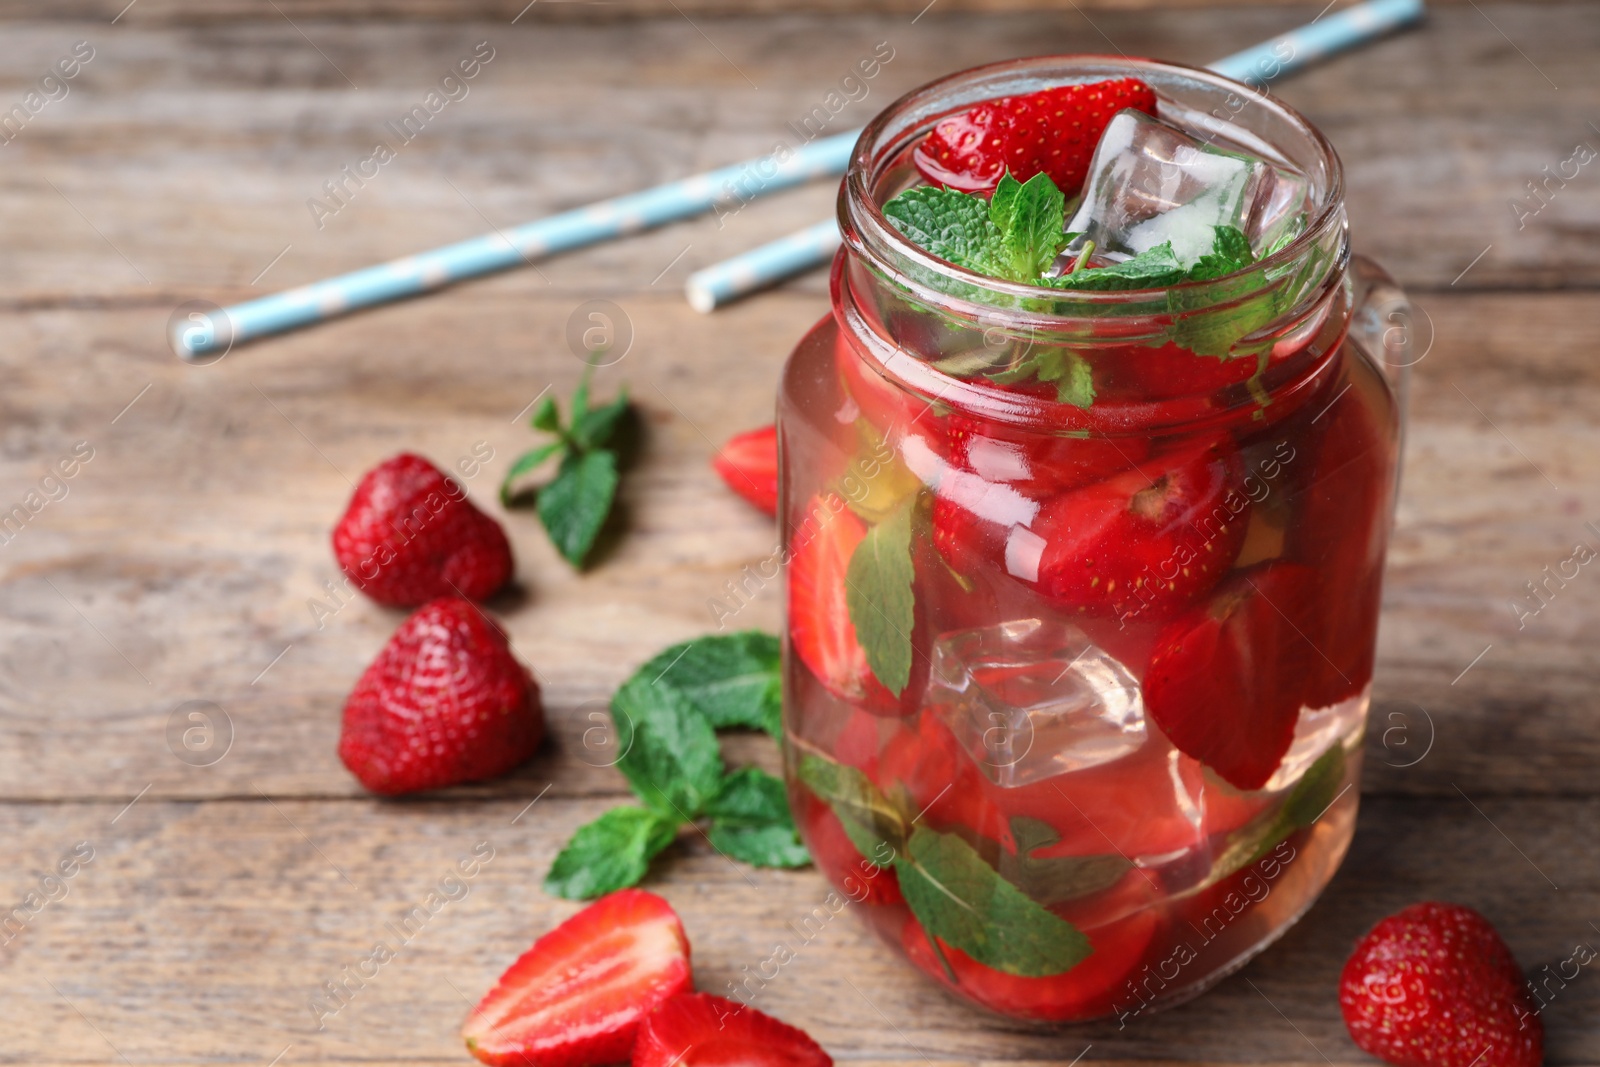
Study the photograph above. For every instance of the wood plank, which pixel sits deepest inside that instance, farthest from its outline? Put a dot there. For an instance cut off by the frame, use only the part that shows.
(174, 137)
(194, 539)
(201, 933)
(201, 11)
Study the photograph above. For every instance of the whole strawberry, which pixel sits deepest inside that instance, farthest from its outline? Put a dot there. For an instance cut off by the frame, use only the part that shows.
(444, 702)
(1435, 986)
(410, 534)
(1054, 131)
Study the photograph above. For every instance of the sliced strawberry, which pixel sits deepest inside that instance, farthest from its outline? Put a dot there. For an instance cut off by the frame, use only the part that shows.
(1093, 988)
(577, 997)
(1037, 464)
(749, 464)
(820, 630)
(1341, 526)
(1054, 131)
(1227, 680)
(701, 1030)
(857, 877)
(927, 766)
(1147, 540)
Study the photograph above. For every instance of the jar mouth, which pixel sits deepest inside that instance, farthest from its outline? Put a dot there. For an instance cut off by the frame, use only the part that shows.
(868, 232)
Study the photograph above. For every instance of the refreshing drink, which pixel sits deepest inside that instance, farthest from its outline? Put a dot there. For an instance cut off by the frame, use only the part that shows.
(1086, 483)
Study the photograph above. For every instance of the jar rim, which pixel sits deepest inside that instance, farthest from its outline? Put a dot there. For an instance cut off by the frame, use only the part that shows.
(868, 232)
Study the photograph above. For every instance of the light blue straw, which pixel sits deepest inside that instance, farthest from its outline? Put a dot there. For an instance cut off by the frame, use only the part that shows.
(724, 282)
(727, 189)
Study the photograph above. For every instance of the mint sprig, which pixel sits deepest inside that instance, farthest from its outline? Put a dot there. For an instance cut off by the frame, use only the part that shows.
(574, 505)
(666, 716)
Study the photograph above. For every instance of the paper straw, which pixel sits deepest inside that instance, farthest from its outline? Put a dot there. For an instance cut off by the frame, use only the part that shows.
(729, 187)
(709, 288)
(724, 282)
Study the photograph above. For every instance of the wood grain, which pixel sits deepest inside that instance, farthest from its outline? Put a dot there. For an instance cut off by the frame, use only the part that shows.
(180, 562)
(202, 932)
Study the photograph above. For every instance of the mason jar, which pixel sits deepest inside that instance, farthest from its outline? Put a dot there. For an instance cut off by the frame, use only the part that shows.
(1075, 689)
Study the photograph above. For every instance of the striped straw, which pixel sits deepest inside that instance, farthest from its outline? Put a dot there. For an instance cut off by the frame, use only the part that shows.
(728, 187)
(724, 282)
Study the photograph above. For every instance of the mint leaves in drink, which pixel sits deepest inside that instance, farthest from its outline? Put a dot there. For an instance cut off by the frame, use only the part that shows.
(665, 718)
(1015, 235)
(574, 505)
(879, 597)
(956, 894)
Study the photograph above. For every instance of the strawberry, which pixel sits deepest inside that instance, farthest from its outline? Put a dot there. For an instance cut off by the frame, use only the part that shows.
(444, 702)
(749, 464)
(820, 630)
(1227, 680)
(1037, 464)
(577, 997)
(701, 1030)
(1434, 986)
(410, 534)
(1151, 538)
(1054, 131)
(1341, 525)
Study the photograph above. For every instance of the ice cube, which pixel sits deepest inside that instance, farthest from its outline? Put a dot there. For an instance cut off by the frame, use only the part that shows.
(1150, 183)
(1030, 699)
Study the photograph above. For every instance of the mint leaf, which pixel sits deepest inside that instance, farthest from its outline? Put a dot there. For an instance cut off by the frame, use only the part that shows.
(960, 900)
(733, 679)
(1071, 374)
(1029, 216)
(750, 795)
(526, 462)
(547, 416)
(1154, 268)
(1053, 879)
(1230, 252)
(574, 506)
(773, 845)
(611, 853)
(669, 751)
(871, 821)
(879, 597)
(1309, 798)
(595, 429)
(951, 225)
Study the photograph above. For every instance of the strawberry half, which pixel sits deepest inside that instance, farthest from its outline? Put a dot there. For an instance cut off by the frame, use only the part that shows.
(862, 880)
(701, 1030)
(1054, 131)
(577, 997)
(1435, 986)
(1149, 539)
(749, 464)
(1226, 681)
(444, 702)
(410, 534)
(820, 630)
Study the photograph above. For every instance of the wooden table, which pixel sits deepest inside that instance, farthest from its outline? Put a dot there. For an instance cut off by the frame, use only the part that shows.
(179, 564)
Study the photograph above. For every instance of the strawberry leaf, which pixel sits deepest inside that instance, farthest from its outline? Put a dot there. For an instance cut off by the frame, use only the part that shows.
(880, 600)
(575, 504)
(961, 900)
(611, 853)
(669, 751)
(733, 679)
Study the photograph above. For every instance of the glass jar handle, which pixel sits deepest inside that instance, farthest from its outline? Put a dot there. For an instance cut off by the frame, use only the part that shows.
(1381, 323)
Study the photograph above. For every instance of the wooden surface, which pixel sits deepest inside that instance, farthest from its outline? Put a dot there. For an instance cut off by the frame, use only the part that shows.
(179, 564)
